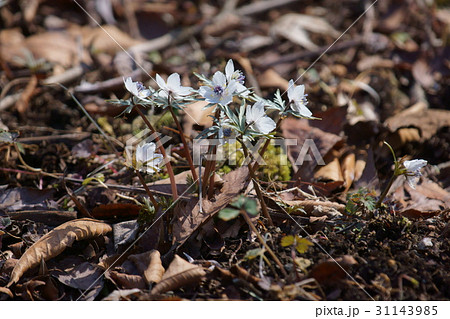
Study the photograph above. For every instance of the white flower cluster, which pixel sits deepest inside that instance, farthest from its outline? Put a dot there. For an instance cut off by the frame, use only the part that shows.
(249, 121)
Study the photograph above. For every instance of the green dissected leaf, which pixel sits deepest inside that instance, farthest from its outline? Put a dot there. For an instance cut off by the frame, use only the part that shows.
(227, 214)
(302, 245)
(251, 207)
(287, 241)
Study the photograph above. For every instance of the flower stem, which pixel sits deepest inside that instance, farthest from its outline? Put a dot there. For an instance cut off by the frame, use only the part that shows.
(257, 188)
(185, 144)
(149, 193)
(391, 181)
(261, 240)
(163, 152)
(266, 145)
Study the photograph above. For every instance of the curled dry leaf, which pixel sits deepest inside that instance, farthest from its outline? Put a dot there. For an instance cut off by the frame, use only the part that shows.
(55, 242)
(149, 265)
(6, 291)
(128, 281)
(189, 218)
(179, 274)
(332, 270)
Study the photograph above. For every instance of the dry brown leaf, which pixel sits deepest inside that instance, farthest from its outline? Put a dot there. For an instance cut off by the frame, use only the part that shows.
(149, 265)
(300, 130)
(332, 271)
(271, 79)
(55, 242)
(294, 27)
(188, 218)
(6, 291)
(197, 114)
(179, 274)
(349, 170)
(429, 121)
(330, 172)
(127, 281)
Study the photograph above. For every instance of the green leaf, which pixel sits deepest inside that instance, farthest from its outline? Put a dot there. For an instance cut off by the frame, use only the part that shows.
(302, 244)
(251, 207)
(227, 214)
(287, 241)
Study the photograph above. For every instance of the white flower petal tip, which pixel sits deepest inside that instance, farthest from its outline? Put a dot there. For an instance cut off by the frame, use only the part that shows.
(136, 88)
(172, 87)
(297, 97)
(413, 173)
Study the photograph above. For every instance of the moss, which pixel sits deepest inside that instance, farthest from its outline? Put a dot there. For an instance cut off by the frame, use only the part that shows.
(277, 165)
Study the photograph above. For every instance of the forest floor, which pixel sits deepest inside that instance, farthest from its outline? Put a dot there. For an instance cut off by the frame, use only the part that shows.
(75, 222)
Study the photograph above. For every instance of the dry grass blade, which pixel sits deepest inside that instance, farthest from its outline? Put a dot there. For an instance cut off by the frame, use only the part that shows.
(179, 274)
(54, 243)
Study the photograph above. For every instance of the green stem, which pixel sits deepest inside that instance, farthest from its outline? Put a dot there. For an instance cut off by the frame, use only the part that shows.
(149, 193)
(386, 190)
(173, 184)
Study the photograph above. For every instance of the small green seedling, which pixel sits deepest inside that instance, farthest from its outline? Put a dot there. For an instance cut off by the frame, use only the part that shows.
(241, 203)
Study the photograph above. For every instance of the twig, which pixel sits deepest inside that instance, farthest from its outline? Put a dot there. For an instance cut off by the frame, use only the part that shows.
(163, 152)
(185, 144)
(261, 240)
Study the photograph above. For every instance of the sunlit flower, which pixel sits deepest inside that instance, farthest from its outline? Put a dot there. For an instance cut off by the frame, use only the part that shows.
(297, 97)
(146, 158)
(413, 173)
(172, 87)
(256, 117)
(219, 92)
(236, 75)
(136, 88)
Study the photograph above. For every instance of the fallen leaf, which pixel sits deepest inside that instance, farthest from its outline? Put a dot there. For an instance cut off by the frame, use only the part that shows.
(179, 274)
(128, 281)
(332, 271)
(55, 242)
(307, 138)
(83, 276)
(189, 218)
(118, 295)
(293, 26)
(149, 265)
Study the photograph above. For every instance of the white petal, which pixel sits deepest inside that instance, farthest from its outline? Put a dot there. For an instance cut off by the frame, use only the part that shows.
(412, 181)
(290, 91)
(302, 109)
(173, 81)
(265, 125)
(219, 79)
(161, 82)
(241, 89)
(414, 165)
(299, 92)
(229, 69)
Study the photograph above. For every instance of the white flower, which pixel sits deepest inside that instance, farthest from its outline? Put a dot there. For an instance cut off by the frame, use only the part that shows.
(256, 117)
(236, 76)
(146, 158)
(413, 171)
(297, 97)
(172, 87)
(219, 92)
(136, 88)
